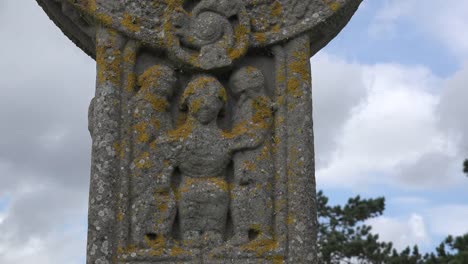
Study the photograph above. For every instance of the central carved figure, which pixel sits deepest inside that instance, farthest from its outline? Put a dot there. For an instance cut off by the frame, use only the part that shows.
(202, 153)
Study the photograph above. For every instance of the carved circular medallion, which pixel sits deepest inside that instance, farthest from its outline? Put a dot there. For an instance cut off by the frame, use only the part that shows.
(212, 35)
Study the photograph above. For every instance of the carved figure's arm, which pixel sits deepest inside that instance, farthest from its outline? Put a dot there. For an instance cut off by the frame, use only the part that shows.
(164, 155)
(252, 133)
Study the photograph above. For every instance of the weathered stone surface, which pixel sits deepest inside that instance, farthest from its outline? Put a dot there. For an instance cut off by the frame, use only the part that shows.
(270, 21)
(202, 126)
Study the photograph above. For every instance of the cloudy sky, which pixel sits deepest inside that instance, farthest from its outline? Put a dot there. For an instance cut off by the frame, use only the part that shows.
(390, 120)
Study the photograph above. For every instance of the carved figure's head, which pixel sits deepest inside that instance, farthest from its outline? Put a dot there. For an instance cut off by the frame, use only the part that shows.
(204, 98)
(247, 80)
(158, 79)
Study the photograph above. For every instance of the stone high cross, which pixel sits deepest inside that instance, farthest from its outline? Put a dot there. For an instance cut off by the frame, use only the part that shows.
(201, 126)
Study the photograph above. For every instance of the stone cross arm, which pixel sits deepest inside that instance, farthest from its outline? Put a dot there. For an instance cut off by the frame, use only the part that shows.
(263, 22)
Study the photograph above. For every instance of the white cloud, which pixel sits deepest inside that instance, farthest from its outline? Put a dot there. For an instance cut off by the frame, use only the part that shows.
(337, 87)
(449, 220)
(453, 108)
(409, 201)
(444, 20)
(394, 131)
(44, 148)
(401, 232)
(54, 248)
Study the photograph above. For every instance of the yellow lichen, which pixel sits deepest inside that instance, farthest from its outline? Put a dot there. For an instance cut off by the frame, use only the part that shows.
(177, 251)
(120, 216)
(264, 153)
(334, 6)
(294, 87)
(218, 182)
(92, 6)
(141, 131)
(260, 37)
(299, 65)
(196, 104)
(236, 131)
(158, 103)
(181, 132)
(260, 247)
(276, 28)
(291, 220)
(143, 161)
(130, 82)
(104, 19)
(262, 111)
(241, 35)
(223, 95)
(248, 165)
(131, 23)
(277, 9)
(120, 149)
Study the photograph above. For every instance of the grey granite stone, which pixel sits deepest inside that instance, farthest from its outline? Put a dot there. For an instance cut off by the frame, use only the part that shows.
(202, 126)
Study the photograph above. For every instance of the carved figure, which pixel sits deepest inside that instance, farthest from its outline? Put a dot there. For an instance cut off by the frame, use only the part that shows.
(153, 206)
(252, 204)
(203, 152)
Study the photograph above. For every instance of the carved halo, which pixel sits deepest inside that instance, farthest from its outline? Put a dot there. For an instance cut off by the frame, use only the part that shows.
(212, 35)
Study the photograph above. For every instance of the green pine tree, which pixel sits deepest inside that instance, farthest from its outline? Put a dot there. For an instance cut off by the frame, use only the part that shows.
(344, 238)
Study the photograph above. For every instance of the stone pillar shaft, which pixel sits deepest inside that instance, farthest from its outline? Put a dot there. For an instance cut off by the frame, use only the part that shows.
(105, 161)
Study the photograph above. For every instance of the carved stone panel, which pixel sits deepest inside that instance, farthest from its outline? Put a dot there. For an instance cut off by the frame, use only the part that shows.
(209, 170)
(202, 127)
